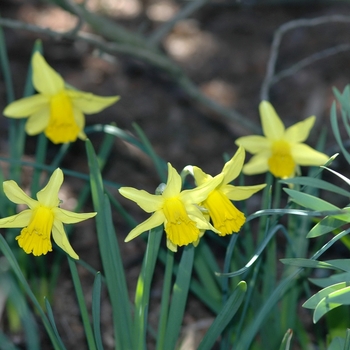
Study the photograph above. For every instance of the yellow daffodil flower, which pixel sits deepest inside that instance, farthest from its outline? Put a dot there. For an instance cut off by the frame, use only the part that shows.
(226, 218)
(281, 150)
(43, 217)
(56, 109)
(177, 210)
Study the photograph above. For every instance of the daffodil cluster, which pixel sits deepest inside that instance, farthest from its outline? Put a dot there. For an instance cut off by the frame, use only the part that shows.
(185, 213)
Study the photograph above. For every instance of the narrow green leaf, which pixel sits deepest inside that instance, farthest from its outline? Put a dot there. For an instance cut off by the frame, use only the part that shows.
(308, 201)
(285, 345)
(317, 183)
(303, 262)
(336, 132)
(326, 225)
(179, 297)
(312, 302)
(96, 310)
(337, 343)
(56, 340)
(142, 295)
(53, 323)
(82, 305)
(332, 301)
(224, 317)
(329, 281)
(110, 255)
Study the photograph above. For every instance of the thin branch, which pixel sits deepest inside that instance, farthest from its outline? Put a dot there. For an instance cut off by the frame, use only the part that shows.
(185, 12)
(277, 39)
(147, 54)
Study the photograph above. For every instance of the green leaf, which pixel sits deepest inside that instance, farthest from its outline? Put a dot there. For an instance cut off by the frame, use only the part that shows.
(336, 132)
(179, 297)
(337, 343)
(326, 225)
(142, 295)
(318, 183)
(303, 262)
(110, 255)
(332, 301)
(311, 202)
(285, 345)
(333, 279)
(312, 302)
(224, 317)
(96, 310)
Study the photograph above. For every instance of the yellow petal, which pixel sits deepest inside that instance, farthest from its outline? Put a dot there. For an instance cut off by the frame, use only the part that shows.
(239, 193)
(171, 246)
(45, 80)
(173, 184)
(253, 144)
(305, 155)
(146, 201)
(20, 220)
(200, 193)
(200, 177)
(234, 166)
(69, 217)
(272, 125)
(258, 164)
(37, 122)
(60, 238)
(154, 221)
(16, 195)
(48, 196)
(79, 118)
(89, 103)
(299, 132)
(26, 106)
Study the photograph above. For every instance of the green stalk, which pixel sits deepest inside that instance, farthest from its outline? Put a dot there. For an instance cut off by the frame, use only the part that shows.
(179, 297)
(143, 287)
(161, 340)
(82, 305)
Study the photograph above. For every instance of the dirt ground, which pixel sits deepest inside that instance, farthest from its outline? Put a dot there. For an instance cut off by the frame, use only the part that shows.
(224, 48)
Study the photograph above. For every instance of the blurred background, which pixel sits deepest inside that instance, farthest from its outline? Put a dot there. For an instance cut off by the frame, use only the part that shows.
(222, 47)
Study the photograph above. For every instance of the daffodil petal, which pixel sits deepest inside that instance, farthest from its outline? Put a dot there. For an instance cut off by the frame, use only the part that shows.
(173, 184)
(48, 196)
(155, 220)
(45, 79)
(89, 103)
(239, 193)
(146, 201)
(233, 167)
(201, 222)
(305, 155)
(253, 144)
(16, 195)
(26, 106)
(200, 177)
(37, 122)
(200, 193)
(69, 217)
(171, 246)
(19, 220)
(300, 131)
(60, 238)
(79, 118)
(272, 125)
(257, 164)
